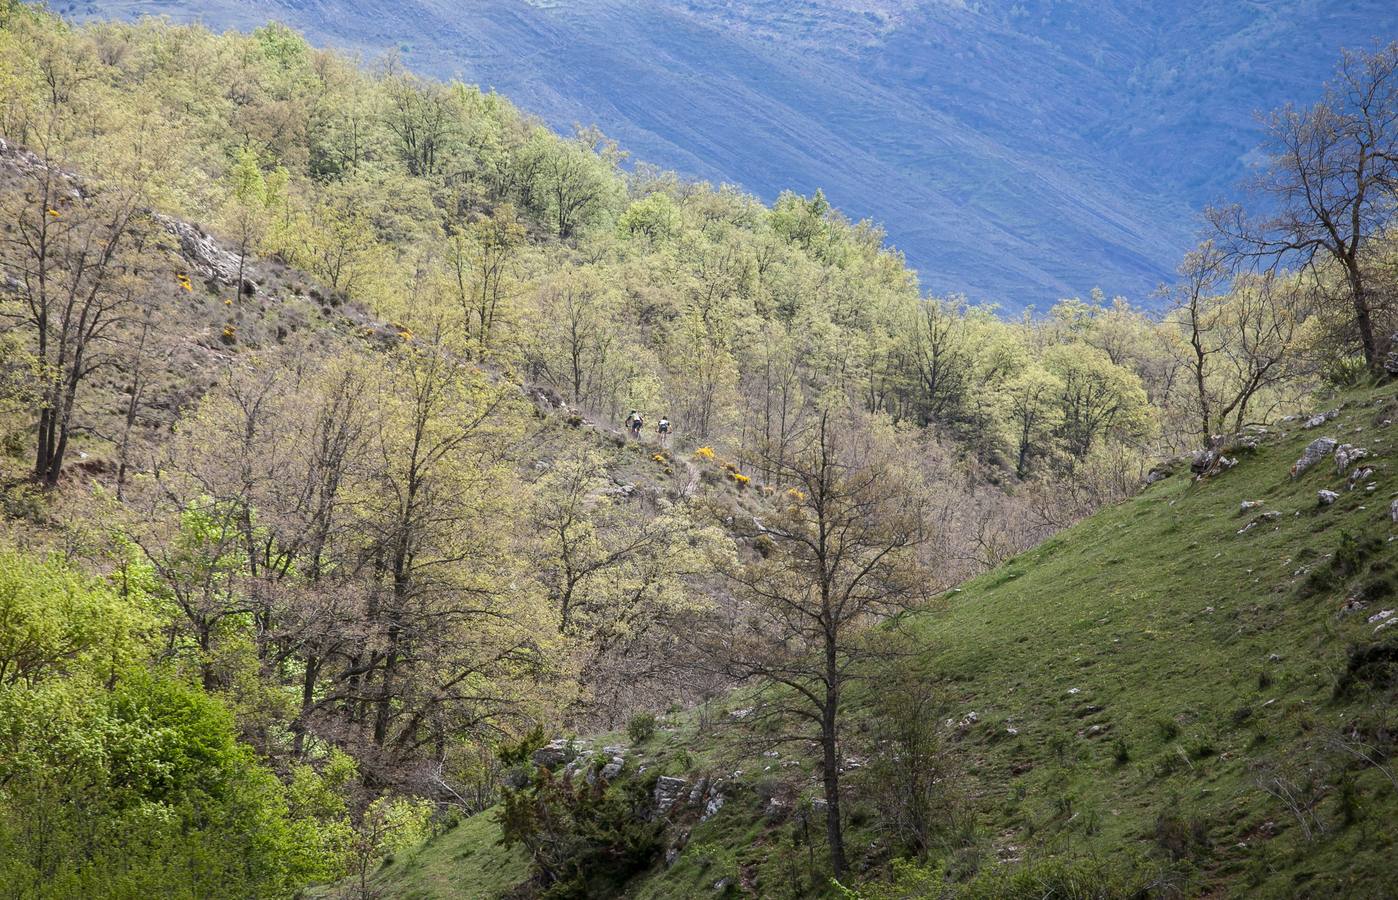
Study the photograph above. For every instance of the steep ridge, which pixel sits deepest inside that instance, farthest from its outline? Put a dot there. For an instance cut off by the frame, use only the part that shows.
(1198, 683)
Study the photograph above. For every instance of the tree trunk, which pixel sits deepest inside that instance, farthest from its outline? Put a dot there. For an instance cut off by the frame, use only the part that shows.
(308, 698)
(1363, 319)
(829, 738)
(41, 452)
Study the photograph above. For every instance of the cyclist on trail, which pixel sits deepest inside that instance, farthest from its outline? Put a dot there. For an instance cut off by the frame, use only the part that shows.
(631, 418)
(636, 424)
(663, 429)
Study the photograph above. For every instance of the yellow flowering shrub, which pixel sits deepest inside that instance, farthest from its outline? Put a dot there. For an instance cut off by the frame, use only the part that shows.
(706, 453)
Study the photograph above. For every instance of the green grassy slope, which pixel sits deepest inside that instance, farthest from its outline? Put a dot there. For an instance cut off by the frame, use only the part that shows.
(1154, 665)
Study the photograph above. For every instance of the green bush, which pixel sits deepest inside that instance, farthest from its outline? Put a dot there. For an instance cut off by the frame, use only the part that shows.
(641, 727)
(583, 840)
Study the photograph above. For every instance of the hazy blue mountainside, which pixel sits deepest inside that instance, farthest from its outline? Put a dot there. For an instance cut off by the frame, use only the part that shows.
(1017, 151)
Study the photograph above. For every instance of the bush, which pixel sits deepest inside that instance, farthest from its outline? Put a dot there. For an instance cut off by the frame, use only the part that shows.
(914, 781)
(641, 727)
(1181, 838)
(583, 840)
(1169, 729)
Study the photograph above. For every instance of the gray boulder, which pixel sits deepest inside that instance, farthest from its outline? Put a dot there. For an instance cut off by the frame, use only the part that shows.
(1315, 451)
(1346, 454)
(1203, 462)
(1326, 498)
(554, 754)
(668, 789)
(1162, 470)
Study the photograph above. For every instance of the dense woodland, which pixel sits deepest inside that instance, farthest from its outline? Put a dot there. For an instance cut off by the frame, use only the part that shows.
(294, 545)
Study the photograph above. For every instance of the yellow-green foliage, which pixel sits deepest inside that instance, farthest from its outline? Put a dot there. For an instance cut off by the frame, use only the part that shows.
(446, 210)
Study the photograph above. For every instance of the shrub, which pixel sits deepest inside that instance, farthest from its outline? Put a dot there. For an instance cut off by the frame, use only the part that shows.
(914, 781)
(641, 727)
(1374, 666)
(1169, 729)
(705, 453)
(1181, 838)
(583, 840)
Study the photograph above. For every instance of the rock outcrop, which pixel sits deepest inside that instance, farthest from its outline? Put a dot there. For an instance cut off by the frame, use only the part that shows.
(1315, 451)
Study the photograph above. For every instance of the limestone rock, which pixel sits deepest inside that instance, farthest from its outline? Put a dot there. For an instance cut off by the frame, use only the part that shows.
(554, 754)
(1325, 498)
(1315, 451)
(1346, 454)
(613, 768)
(1363, 473)
(1352, 605)
(1390, 361)
(202, 251)
(668, 789)
(1162, 470)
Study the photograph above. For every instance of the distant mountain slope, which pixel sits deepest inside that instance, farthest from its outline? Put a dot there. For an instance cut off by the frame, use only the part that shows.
(1017, 151)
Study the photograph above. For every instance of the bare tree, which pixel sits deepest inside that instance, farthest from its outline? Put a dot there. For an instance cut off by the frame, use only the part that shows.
(481, 262)
(1330, 185)
(424, 118)
(840, 554)
(1239, 343)
(73, 252)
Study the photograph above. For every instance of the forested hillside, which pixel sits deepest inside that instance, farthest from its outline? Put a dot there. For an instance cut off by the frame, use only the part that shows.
(325, 526)
(1018, 151)
(1188, 694)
